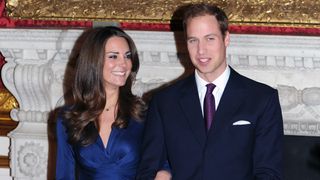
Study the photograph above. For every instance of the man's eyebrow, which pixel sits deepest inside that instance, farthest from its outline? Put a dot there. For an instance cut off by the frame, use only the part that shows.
(211, 34)
(191, 37)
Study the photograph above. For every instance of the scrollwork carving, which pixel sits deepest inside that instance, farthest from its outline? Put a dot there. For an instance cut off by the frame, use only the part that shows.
(311, 96)
(289, 97)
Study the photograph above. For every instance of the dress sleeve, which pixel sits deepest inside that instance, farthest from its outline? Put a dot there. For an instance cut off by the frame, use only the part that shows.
(153, 149)
(166, 167)
(65, 163)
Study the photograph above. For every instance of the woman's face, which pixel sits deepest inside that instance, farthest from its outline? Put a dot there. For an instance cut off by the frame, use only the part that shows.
(117, 62)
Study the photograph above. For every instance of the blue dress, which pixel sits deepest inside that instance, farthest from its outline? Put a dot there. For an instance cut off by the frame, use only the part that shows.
(119, 160)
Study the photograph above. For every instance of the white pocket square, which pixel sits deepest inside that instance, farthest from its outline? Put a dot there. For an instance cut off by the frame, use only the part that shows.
(241, 122)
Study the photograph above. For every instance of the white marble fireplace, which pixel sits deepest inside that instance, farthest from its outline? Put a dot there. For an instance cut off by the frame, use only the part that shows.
(36, 61)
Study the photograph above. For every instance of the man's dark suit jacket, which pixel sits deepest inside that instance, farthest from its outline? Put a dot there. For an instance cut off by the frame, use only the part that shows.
(244, 142)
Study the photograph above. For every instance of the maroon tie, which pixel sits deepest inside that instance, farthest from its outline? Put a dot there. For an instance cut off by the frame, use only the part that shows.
(209, 105)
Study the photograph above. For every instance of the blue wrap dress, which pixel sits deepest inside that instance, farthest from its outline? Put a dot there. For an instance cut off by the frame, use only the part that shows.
(118, 160)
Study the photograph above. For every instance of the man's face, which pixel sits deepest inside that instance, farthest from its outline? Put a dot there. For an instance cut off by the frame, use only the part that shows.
(206, 46)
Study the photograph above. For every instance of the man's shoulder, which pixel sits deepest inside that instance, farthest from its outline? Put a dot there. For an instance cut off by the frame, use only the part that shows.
(255, 85)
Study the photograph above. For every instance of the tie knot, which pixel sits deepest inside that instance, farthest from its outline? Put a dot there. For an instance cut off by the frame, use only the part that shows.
(210, 87)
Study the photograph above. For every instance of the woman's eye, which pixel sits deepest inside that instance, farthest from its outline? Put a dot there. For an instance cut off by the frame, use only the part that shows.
(128, 56)
(112, 56)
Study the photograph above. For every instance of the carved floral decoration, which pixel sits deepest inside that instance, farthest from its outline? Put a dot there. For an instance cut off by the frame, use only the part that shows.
(32, 159)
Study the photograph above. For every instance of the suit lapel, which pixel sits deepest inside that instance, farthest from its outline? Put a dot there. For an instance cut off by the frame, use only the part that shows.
(190, 105)
(232, 98)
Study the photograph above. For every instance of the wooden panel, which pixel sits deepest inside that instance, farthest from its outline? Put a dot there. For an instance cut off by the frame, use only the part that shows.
(7, 126)
(4, 162)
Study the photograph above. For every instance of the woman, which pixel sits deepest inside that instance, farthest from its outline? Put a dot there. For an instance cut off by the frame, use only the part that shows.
(99, 134)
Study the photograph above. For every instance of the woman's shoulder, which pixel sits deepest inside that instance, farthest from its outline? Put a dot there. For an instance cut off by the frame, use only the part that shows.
(60, 114)
(61, 128)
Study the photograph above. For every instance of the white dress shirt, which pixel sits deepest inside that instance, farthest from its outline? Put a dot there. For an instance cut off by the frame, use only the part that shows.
(220, 83)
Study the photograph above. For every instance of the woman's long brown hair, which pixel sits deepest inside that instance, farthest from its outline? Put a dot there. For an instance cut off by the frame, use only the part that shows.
(88, 92)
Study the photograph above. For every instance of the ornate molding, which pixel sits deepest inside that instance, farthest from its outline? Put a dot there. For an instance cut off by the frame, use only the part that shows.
(32, 159)
(37, 59)
(34, 72)
(29, 151)
(34, 69)
(255, 12)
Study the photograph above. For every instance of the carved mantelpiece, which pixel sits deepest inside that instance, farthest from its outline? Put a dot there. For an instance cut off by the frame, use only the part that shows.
(36, 61)
(33, 74)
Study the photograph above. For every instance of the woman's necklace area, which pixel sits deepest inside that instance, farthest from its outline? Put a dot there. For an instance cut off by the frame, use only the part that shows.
(110, 107)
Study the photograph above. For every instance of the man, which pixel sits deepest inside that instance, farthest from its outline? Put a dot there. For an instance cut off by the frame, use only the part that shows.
(243, 139)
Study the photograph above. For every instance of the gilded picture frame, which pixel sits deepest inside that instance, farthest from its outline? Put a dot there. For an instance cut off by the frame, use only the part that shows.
(7, 103)
(302, 13)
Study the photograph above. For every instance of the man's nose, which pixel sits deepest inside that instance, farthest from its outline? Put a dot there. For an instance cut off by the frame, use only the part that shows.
(201, 47)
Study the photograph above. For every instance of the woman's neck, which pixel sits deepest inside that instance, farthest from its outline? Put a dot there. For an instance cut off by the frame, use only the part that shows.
(111, 99)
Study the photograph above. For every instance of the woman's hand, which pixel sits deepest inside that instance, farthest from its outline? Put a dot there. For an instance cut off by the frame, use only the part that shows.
(163, 175)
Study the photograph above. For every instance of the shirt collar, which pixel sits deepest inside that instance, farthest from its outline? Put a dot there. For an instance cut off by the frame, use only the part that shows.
(220, 82)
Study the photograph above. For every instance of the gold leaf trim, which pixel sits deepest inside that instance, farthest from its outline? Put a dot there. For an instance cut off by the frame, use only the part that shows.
(250, 12)
(7, 103)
